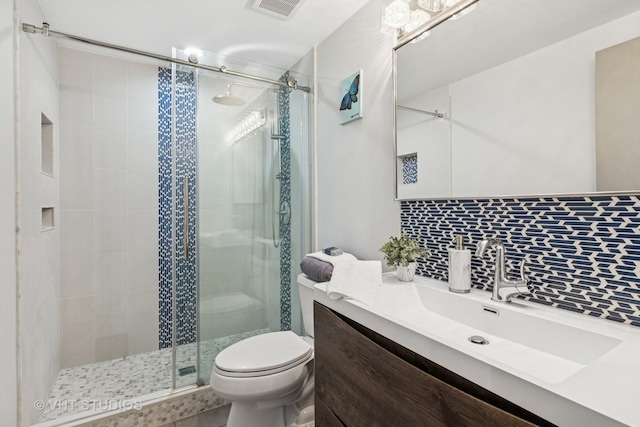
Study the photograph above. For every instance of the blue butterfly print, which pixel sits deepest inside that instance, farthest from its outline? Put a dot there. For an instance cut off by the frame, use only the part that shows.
(352, 95)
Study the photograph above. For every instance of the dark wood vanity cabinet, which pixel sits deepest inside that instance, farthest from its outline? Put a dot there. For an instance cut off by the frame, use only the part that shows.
(365, 379)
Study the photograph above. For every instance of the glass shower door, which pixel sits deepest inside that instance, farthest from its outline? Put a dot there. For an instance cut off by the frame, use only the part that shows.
(244, 216)
(238, 262)
(231, 210)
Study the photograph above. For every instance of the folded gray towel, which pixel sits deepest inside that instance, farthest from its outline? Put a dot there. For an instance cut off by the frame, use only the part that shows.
(316, 270)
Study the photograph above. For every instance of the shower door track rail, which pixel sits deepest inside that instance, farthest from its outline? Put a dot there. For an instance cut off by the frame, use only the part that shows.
(291, 82)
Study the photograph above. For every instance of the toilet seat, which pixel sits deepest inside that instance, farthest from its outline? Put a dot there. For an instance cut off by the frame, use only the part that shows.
(262, 355)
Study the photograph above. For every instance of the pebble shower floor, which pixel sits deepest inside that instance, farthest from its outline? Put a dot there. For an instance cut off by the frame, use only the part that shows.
(125, 379)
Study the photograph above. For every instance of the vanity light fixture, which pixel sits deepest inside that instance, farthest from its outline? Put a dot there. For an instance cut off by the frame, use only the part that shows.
(403, 16)
(416, 19)
(396, 15)
(433, 6)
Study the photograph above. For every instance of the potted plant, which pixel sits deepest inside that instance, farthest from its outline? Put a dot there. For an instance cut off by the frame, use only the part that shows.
(402, 253)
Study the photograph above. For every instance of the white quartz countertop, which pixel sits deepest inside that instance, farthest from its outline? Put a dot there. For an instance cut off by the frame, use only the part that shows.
(570, 369)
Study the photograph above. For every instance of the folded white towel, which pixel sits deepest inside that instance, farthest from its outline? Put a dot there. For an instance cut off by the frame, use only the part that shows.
(359, 280)
(332, 259)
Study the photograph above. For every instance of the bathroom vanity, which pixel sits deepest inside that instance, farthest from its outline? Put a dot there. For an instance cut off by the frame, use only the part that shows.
(365, 379)
(407, 360)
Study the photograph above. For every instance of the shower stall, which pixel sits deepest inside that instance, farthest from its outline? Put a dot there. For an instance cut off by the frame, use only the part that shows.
(184, 213)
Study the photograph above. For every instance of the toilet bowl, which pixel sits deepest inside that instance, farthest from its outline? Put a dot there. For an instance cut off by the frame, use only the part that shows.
(269, 378)
(229, 314)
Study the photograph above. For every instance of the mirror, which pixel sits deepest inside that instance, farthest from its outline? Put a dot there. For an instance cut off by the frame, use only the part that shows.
(532, 97)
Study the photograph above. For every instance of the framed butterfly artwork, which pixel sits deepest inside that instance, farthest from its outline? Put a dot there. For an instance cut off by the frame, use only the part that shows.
(351, 98)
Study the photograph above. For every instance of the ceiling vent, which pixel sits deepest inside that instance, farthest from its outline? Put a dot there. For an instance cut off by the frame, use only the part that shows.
(283, 9)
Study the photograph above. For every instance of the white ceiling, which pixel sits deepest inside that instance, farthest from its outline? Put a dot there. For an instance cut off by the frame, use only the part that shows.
(228, 27)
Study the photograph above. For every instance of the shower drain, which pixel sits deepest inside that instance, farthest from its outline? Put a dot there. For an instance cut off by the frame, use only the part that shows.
(477, 339)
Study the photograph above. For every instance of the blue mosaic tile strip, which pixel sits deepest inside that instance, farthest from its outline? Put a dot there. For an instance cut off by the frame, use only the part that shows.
(185, 274)
(186, 152)
(582, 253)
(165, 207)
(410, 169)
(285, 196)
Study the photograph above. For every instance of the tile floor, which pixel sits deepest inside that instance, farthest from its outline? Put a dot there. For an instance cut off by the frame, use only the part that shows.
(128, 378)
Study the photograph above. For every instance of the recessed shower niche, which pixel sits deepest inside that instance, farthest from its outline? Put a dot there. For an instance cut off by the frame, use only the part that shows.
(410, 169)
(48, 222)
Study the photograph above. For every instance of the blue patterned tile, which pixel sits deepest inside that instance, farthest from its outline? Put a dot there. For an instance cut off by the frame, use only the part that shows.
(165, 207)
(185, 167)
(185, 162)
(285, 196)
(582, 253)
(410, 169)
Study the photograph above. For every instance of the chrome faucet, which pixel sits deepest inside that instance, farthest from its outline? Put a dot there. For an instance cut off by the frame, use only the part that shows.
(503, 287)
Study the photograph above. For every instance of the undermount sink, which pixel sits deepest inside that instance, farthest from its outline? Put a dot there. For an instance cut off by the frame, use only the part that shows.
(549, 346)
(518, 323)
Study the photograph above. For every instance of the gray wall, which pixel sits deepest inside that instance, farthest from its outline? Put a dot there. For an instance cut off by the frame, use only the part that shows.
(617, 112)
(355, 184)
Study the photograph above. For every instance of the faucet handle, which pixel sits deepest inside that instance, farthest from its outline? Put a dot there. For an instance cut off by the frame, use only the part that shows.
(484, 243)
(482, 246)
(522, 277)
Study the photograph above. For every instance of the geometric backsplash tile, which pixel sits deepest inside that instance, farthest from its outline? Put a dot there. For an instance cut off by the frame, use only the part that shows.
(582, 253)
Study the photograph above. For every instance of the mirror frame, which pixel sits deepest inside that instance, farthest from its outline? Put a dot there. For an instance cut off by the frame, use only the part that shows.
(404, 39)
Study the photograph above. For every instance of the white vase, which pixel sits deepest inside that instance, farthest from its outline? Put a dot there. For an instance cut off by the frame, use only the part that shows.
(405, 274)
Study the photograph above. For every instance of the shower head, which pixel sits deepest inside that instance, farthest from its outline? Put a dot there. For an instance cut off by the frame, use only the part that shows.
(228, 99)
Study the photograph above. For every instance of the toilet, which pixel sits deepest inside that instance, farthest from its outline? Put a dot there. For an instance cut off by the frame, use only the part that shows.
(269, 378)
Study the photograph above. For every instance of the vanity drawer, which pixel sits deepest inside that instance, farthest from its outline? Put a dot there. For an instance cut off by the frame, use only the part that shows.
(325, 416)
(364, 379)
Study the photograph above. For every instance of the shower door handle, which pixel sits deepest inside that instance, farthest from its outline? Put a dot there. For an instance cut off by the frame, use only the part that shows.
(185, 195)
(275, 236)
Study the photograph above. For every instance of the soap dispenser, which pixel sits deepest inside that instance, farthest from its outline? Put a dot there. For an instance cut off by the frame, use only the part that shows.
(459, 267)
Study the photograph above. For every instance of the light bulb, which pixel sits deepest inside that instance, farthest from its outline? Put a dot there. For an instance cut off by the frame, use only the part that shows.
(385, 28)
(433, 6)
(396, 14)
(416, 19)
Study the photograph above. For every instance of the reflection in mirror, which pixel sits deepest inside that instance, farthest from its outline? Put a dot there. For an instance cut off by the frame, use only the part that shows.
(522, 98)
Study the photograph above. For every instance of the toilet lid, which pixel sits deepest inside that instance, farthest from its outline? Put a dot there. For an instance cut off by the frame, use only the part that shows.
(263, 354)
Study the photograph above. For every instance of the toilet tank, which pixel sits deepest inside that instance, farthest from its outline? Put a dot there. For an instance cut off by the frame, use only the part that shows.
(305, 286)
